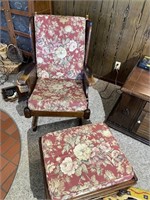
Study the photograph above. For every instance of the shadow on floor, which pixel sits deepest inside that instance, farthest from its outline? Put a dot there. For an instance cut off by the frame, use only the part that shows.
(109, 94)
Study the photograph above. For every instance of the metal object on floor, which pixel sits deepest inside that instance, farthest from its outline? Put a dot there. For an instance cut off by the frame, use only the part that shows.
(10, 93)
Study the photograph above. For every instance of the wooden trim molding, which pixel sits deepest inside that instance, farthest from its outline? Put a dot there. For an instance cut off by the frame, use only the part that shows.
(3, 28)
(20, 12)
(22, 34)
(10, 26)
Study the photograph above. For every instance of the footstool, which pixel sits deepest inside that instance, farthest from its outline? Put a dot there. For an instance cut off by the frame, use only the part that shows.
(84, 162)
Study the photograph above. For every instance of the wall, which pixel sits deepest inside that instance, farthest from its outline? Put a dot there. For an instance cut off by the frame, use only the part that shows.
(121, 32)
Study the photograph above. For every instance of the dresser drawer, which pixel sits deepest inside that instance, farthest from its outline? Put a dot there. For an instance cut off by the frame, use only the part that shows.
(147, 107)
(126, 111)
(143, 129)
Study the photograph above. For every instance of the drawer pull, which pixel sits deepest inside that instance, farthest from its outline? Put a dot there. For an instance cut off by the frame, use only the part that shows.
(125, 111)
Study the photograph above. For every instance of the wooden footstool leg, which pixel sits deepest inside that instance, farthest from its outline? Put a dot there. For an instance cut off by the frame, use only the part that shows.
(34, 123)
(122, 192)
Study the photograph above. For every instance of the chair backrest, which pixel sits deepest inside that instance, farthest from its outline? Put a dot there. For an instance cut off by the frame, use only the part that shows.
(60, 46)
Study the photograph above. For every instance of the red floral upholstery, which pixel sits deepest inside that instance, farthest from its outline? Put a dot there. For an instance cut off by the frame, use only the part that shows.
(60, 49)
(83, 159)
(60, 46)
(57, 95)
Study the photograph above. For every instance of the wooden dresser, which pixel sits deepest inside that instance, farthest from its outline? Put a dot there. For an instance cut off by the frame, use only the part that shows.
(131, 114)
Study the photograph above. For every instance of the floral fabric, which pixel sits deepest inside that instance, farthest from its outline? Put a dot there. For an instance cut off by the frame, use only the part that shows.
(57, 95)
(83, 159)
(60, 46)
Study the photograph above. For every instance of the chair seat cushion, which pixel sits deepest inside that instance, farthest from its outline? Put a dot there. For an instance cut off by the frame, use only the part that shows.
(58, 96)
(81, 160)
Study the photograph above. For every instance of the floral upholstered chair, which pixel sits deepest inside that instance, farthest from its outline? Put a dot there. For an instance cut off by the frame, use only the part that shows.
(62, 45)
(85, 163)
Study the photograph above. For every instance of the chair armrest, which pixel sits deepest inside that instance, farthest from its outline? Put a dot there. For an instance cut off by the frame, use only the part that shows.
(26, 79)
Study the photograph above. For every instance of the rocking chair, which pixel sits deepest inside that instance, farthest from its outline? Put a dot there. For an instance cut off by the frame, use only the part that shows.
(61, 87)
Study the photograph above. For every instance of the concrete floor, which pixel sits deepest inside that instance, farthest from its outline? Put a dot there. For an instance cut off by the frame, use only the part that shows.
(28, 181)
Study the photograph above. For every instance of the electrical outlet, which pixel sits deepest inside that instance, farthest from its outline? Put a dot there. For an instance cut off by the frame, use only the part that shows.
(117, 65)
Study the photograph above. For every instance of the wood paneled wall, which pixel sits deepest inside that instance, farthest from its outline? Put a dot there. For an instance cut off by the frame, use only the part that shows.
(121, 32)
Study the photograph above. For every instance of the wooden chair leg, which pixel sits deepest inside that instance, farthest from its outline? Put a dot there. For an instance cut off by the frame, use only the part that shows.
(87, 114)
(83, 121)
(34, 123)
(80, 121)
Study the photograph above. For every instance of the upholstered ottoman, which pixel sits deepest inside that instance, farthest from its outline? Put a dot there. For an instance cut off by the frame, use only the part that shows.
(84, 162)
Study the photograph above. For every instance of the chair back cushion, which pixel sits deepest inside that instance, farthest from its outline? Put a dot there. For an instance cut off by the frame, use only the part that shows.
(60, 46)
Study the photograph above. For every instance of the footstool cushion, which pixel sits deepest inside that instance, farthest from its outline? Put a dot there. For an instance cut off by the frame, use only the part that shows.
(83, 160)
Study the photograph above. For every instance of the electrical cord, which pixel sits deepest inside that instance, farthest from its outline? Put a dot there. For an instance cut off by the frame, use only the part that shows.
(116, 76)
(117, 90)
(104, 88)
(110, 95)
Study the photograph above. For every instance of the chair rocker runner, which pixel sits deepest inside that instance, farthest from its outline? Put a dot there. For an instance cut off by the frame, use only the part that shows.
(61, 88)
